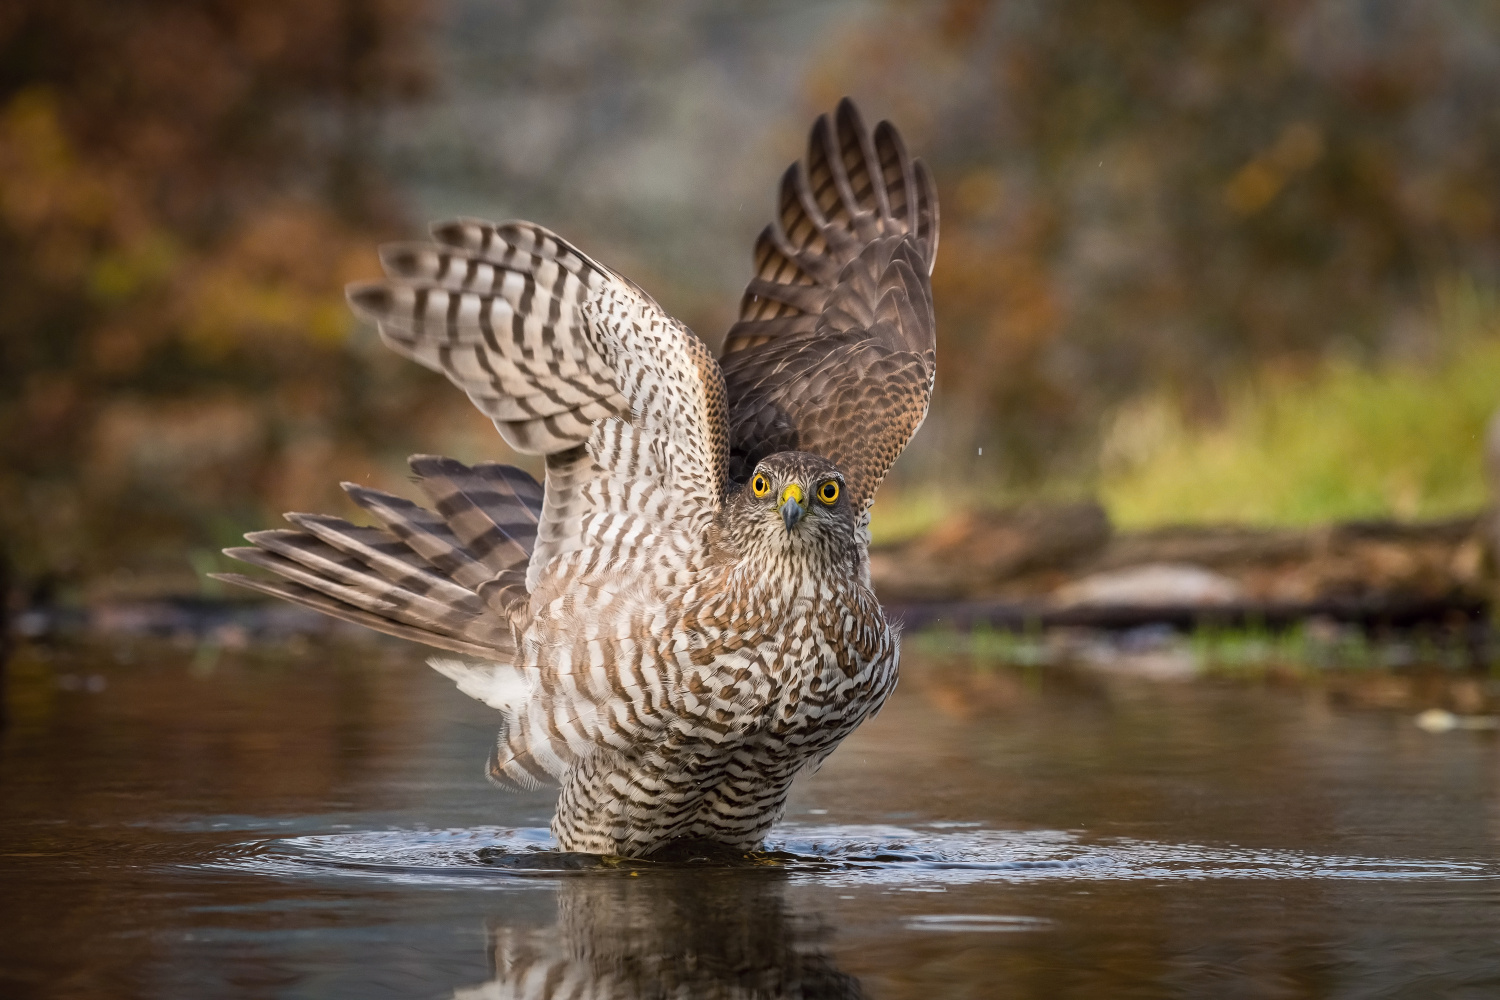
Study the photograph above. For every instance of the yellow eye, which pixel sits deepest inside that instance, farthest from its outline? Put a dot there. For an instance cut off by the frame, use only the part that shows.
(760, 485)
(828, 492)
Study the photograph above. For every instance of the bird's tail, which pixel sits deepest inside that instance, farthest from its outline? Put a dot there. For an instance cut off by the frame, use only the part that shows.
(453, 577)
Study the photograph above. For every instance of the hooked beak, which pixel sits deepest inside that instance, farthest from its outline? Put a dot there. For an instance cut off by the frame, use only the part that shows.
(791, 506)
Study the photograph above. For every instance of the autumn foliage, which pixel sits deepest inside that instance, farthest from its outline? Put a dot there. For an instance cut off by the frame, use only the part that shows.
(1145, 204)
(184, 190)
(1160, 196)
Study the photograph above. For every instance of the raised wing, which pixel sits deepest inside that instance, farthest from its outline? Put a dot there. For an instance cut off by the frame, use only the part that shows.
(571, 361)
(835, 349)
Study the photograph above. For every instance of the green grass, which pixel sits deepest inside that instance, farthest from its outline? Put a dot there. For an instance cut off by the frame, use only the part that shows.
(1344, 442)
(899, 515)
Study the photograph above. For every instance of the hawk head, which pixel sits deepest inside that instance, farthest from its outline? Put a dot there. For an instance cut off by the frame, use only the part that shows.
(794, 506)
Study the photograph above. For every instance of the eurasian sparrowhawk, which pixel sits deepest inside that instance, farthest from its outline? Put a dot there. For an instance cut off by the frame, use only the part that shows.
(682, 619)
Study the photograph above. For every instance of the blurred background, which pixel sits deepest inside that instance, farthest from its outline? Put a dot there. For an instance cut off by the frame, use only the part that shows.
(1205, 261)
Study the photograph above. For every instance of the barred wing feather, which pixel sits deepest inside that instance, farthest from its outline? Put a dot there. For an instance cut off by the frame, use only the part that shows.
(452, 579)
(552, 345)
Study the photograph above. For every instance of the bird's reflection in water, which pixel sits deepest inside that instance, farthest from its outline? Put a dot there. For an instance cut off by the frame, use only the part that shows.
(667, 933)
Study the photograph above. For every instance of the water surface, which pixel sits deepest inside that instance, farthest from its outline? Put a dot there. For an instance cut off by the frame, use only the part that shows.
(312, 821)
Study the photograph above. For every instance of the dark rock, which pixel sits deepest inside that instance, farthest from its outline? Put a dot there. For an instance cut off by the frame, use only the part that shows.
(1206, 545)
(1062, 565)
(979, 549)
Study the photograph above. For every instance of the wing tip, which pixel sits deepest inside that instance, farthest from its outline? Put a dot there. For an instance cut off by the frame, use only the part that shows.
(403, 260)
(455, 232)
(266, 587)
(435, 465)
(267, 534)
(372, 299)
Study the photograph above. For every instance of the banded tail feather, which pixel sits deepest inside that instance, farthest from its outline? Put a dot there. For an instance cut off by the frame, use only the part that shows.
(454, 579)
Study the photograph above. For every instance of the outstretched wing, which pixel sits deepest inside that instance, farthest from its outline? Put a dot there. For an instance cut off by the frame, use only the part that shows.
(571, 361)
(835, 349)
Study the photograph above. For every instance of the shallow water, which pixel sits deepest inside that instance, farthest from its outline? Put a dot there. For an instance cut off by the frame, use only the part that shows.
(313, 822)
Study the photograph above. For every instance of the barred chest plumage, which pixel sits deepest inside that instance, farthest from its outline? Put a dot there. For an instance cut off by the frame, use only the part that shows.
(712, 710)
(795, 664)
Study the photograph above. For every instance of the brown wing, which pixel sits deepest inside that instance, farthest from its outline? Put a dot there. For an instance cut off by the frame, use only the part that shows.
(835, 349)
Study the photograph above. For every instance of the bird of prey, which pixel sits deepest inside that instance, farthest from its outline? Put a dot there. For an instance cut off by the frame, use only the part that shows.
(681, 619)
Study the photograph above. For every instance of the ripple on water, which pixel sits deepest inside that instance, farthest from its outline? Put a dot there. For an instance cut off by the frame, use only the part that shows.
(839, 855)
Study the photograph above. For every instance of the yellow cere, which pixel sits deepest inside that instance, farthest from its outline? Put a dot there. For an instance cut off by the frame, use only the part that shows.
(792, 492)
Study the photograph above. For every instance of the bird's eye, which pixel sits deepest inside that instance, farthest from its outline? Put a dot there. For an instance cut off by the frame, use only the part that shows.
(829, 492)
(760, 485)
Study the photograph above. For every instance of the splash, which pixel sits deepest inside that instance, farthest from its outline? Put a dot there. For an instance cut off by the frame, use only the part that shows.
(891, 856)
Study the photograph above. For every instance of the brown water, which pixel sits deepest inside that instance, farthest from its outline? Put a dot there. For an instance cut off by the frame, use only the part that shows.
(312, 822)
